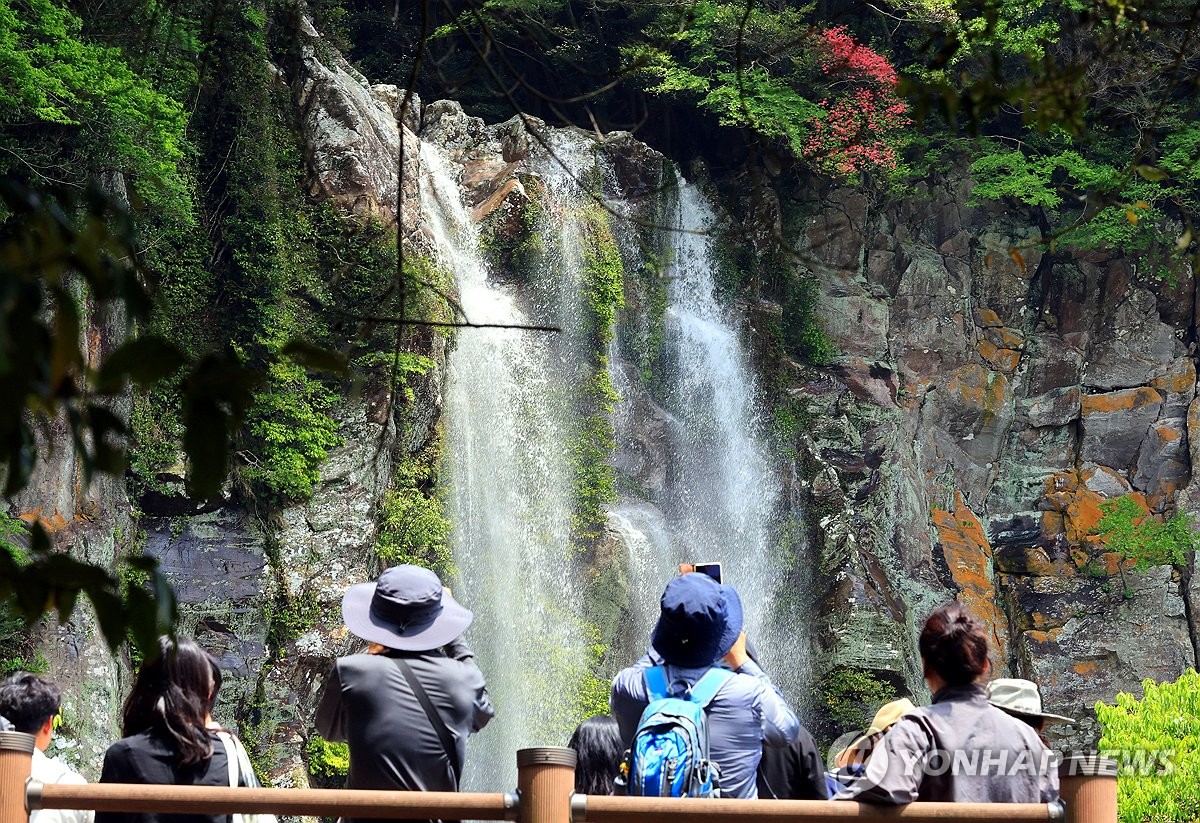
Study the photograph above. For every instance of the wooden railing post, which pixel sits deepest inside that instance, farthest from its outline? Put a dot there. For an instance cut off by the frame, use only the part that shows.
(16, 762)
(1088, 785)
(545, 782)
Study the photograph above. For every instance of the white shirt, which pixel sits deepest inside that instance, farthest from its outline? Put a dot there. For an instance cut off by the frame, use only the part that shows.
(52, 770)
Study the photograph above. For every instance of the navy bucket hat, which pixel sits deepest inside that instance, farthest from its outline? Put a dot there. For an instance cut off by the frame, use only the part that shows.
(406, 609)
(699, 621)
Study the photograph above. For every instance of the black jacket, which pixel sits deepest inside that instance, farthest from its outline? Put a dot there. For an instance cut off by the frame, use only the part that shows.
(792, 772)
(149, 758)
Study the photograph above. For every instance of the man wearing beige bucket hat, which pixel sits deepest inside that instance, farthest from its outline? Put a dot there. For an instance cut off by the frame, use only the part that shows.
(1023, 700)
(849, 763)
(407, 706)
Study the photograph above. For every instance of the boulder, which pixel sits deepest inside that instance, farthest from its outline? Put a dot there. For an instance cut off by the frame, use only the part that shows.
(352, 139)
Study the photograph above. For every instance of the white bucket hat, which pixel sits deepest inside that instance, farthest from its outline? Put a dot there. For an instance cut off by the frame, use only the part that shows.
(1020, 697)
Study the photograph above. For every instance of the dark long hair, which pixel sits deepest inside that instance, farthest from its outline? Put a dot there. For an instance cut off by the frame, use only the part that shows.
(171, 697)
(954, 644)
(597, 744)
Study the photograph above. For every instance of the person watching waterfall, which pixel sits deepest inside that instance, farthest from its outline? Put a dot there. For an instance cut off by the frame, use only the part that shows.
(34, 706)
(699, 628)
(406, 706)
(961, 749)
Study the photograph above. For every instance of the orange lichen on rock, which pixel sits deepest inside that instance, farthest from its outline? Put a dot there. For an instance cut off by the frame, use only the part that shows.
(1115, 401)
(1086, 667)
(1068, 496)
(988, 318)
(1181, 380)
(1005, 360)
(968, 554)
(1048, 636)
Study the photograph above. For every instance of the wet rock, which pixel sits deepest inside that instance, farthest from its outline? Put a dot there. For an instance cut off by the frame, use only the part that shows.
(643, 454)
(445, 123)
(637, 169)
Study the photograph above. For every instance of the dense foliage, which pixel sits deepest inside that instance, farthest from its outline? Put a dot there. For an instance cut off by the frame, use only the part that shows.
(1156, 741)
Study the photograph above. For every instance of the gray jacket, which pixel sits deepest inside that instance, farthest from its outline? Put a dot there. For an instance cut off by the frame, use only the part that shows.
(961, 749)
(746, 714)
(368, 703)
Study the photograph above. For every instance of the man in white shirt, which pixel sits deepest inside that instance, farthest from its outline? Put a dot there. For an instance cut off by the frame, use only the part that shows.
(31, 704)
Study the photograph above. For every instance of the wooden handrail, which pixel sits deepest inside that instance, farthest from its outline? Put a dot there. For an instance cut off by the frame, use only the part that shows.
(130, 797)
(594, 809)
(545, 777)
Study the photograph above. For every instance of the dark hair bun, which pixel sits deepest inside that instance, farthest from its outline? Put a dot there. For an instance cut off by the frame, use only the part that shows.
(954, 645)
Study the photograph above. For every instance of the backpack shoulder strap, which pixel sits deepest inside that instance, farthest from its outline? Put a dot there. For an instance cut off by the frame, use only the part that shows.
(656, 682)
(706, 687)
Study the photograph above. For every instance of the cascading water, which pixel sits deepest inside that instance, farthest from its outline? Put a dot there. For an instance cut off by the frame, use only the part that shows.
(512, 419)
(510, 500)
(720, 499)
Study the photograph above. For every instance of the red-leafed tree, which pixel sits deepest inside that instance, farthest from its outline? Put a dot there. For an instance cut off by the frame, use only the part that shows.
(863, 118)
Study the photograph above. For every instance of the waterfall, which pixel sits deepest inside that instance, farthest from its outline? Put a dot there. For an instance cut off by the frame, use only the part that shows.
(507, 427)
(511, 417)
(721, 498)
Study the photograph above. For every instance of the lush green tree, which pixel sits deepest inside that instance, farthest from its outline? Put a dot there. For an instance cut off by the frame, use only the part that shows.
(1156, 741)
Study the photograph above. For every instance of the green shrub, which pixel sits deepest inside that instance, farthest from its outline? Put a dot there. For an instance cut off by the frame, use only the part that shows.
(803, 336)
(292, 433)
(413, 526)
(1130, 531)
(325, 758)
(17, 649)
(1157, 741)
(850, 697)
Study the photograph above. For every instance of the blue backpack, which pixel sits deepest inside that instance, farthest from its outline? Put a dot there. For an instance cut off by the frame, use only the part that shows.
(669, 756)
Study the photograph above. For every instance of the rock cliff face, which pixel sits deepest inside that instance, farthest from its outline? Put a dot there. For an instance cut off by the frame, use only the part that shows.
(986, 398)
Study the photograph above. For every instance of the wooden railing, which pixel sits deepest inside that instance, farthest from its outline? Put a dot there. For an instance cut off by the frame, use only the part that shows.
(545, 783)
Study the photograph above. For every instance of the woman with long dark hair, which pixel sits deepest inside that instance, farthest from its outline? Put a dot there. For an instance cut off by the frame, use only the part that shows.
(960, 748)
(167, 738)
(597, 745)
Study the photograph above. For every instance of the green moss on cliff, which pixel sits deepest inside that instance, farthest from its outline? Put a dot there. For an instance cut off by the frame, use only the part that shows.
(594, 481)
(326, 759)
(413, 525)
(511, 236)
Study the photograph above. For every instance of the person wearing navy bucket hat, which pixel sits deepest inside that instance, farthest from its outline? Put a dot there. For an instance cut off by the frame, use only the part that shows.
(699, 628)
(406, 706)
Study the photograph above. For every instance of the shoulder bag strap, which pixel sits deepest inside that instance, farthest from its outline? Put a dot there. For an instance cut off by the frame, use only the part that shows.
(706, 687)
(230, 757)
(431, 712)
